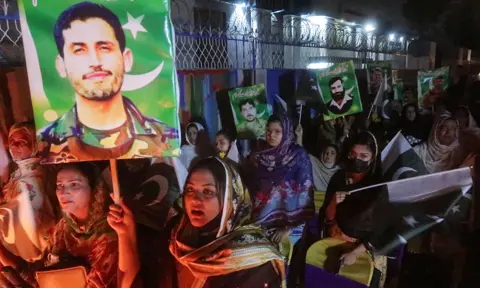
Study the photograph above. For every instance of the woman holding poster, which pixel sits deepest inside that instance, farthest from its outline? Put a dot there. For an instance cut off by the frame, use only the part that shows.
(212, 244)
(82, 240)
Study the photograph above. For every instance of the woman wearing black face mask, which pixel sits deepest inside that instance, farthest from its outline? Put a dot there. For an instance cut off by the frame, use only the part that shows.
(359, 218)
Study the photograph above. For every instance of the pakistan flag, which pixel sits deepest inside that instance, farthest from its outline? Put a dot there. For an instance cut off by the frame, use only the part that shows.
(81, 56)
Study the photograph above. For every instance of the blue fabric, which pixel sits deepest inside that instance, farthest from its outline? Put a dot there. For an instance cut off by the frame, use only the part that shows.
(272, 86)
(316, 277)
(283, 183)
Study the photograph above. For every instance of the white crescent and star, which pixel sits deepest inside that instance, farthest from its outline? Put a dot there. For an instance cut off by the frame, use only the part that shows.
(436, 218)
(134, 25)
(135, 82)
(410, 220)
(400, 171)
(162, 192)
(402, 239)
(456, 209)
(260, 115)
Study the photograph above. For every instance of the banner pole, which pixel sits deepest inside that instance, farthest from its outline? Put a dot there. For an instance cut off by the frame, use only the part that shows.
(300, 118)
(115, 187)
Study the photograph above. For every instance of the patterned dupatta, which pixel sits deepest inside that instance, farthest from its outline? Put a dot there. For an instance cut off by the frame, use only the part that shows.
(283, 183)
(26, 212)
(237, 246)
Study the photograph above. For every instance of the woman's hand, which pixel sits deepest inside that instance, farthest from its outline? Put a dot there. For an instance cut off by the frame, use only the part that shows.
(349, 258)
(340, 196)
(299, 134)
(280, 235)
(121, 219)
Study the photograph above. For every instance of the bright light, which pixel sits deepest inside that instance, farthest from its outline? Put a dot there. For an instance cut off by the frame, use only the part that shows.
(241, 5)
(391, 37)
(353, 24)
(369, 27)
(318, 65)
(401, 39)
(319, 20)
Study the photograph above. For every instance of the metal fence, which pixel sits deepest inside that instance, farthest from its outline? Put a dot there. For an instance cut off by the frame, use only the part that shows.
(211, 34)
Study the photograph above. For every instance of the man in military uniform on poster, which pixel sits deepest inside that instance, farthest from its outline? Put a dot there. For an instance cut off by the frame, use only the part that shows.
(252, 127)
(103, 124)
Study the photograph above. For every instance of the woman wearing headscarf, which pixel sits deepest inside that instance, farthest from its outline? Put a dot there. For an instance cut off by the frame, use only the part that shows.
(360, 218)
(412, 126)
(213, 245)
(189, 151)
(465, 118)
(324, 167)
(282, 181)
(198, 145)
(4, 161)
(25, 196)
(442, 150)
(82, 237)
(226, 146)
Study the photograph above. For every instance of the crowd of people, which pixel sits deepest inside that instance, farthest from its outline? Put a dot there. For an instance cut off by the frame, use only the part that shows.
(213, 218)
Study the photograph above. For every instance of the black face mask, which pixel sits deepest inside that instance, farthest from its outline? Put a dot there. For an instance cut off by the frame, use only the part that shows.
(357, 165)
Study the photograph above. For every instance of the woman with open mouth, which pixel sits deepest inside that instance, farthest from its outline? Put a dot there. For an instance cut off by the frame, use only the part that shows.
(213, 244)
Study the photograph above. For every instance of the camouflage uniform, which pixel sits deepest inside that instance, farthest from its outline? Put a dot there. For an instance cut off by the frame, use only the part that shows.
(67, 139)
(253, 130)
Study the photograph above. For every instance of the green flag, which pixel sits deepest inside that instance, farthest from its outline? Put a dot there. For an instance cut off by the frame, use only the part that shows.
(102, 78)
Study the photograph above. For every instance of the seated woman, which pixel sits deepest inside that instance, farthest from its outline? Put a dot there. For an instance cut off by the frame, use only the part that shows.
(442, 151)
(324, 167)
(282, 182)
(82, 237)
(25, 197)
(198, 145)
(412, 126)
(362, 217)
(213, 245)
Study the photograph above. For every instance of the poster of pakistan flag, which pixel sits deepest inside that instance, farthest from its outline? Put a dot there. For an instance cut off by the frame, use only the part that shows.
(102, 78)
(250, 111)
(339, 90)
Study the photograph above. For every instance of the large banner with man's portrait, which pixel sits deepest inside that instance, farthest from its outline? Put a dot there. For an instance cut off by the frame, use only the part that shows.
(102, 78)
(432, 86)
(250, 111)
(339, 90)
